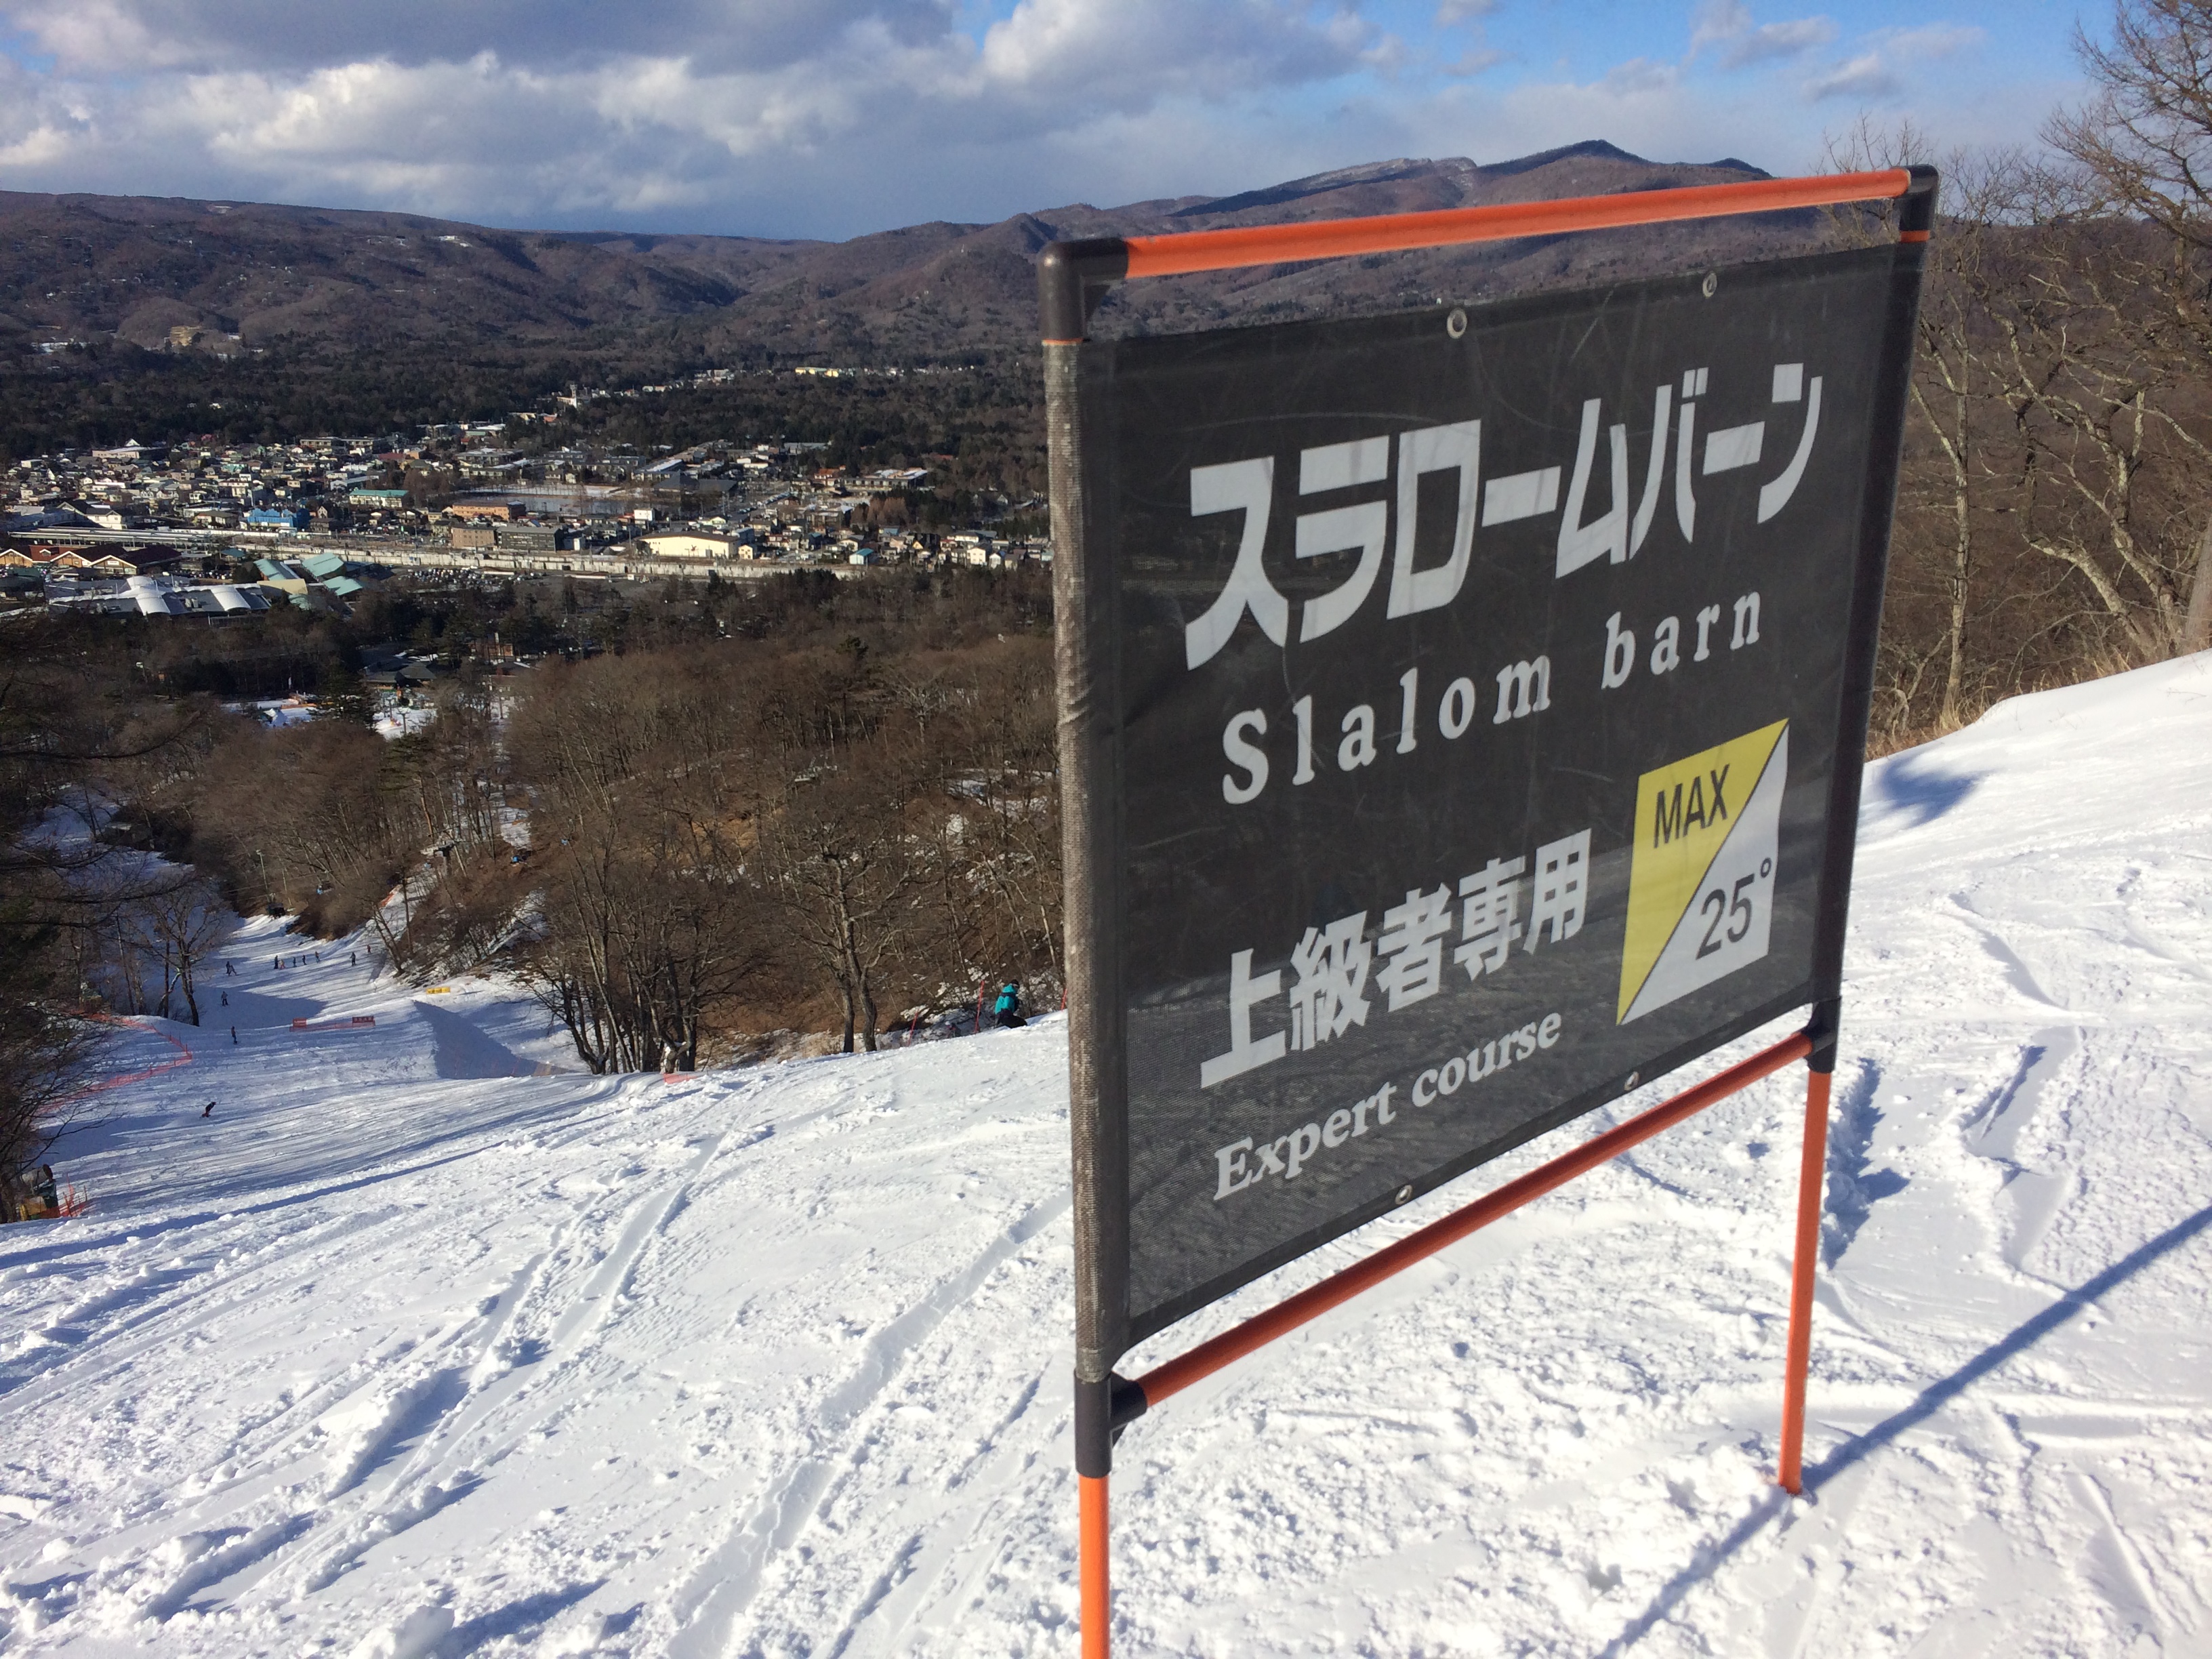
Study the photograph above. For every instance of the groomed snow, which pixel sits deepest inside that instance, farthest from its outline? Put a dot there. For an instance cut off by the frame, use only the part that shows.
(407, 1352)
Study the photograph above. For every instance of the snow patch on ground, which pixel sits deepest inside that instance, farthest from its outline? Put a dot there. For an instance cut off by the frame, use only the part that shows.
(401, 720)
(405, 1352)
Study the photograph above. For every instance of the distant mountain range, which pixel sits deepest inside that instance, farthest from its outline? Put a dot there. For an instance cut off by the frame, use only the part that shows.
(135, 268)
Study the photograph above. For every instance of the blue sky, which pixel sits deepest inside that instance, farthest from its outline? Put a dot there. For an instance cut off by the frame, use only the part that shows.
(831, 118)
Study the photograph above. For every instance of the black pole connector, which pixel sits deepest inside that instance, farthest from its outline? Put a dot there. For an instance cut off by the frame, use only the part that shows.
(1102, 1410)
(1824, 1029)
(1129, 1403)
(1072, 278)
(1094, 1429)
(1915, 214)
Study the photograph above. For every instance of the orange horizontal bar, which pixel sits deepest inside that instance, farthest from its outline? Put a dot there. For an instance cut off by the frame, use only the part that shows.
(1311, 1303)
(1332, 239)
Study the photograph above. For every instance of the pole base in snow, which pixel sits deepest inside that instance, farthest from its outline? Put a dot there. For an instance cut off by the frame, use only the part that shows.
(1811, 1170)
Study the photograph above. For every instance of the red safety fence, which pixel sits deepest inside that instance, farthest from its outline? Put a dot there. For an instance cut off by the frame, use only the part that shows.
(184, 1057)
(357, 1022)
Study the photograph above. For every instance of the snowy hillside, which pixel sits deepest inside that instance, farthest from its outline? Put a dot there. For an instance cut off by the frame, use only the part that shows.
(406, 1351)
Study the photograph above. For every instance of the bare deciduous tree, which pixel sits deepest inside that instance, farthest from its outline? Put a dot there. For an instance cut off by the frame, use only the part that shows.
(848, 854)
(2144, 141)
(155, 937)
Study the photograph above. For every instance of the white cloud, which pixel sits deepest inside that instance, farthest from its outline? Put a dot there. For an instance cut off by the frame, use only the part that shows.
(40, 147)
(1884, 69)
(1640, 76)
(1867, 76)
(872, 99)
(834, 117)
(1475, 62)
(101, 36)
(1651, 109)
(1936, 41)
(1700, 108)
(1729, 25)
(1778, 40)
(1134, 52)
(1719, 22)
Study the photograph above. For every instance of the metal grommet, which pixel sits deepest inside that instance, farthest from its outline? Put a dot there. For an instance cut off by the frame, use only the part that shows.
(1405, 1193)
(1635, 1078)
(1455, 322)
(1712, 284)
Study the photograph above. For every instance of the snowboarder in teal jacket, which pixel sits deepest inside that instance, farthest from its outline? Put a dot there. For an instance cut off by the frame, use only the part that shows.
(1008, 1008)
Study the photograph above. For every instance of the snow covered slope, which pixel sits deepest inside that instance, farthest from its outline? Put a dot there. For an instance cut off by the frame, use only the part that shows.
(405, 1351)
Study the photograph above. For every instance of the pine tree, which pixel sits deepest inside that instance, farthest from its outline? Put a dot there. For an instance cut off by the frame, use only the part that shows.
(341, 696)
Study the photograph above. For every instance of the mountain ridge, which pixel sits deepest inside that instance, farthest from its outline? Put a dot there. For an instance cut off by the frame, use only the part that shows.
(134, 268)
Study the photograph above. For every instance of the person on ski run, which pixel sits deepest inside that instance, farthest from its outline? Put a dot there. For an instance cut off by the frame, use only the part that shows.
(1008, 1008)
(209, 1112)
(226, 998)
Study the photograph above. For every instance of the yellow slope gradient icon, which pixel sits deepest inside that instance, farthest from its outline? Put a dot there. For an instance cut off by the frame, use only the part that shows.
(1701, 881)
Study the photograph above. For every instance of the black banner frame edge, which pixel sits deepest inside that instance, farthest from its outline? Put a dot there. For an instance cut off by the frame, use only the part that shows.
(1086, 665)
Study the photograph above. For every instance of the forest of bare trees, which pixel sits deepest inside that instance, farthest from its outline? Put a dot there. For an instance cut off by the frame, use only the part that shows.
(840, 816)
(74, 907)
(2055, 515)
(832, 835)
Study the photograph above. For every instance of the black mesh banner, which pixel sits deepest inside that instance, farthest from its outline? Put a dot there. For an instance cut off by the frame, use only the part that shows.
(1480, 692)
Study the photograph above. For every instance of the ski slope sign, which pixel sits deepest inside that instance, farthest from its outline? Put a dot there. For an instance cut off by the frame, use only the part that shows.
(1701, 871)
(1462, 719)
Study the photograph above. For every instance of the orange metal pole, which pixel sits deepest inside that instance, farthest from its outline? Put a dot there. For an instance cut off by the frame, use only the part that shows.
(1208, 1357)
(1811, 1174)
(1092, 1571)
(1330, 238)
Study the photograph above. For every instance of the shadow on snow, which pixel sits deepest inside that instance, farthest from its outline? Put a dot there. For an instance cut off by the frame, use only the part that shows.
(1931, 1400)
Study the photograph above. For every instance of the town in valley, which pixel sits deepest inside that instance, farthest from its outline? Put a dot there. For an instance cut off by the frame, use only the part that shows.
(210, 529)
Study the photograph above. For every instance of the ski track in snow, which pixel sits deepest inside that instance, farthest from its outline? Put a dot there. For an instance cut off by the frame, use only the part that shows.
(408, 1351)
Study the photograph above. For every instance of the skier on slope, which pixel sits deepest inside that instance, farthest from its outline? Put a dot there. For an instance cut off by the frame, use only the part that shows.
(1008, 1008)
